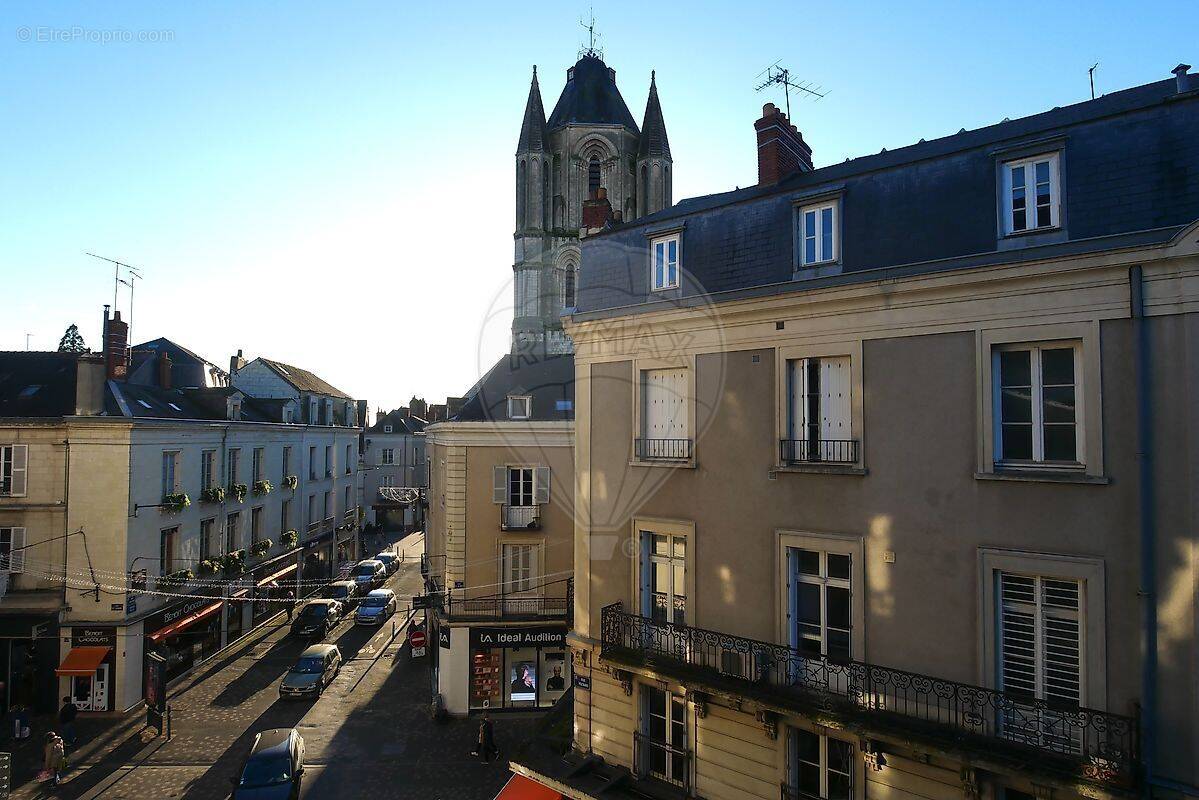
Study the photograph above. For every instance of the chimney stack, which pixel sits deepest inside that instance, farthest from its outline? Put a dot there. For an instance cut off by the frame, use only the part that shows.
(781, 148)
(1182, 82)
(597, 211)
(235, 363)
(164, 371)
(116, 347)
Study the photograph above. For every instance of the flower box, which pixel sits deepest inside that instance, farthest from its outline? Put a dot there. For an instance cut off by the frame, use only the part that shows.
(213, 494)
(174, 503)
(262, 487)
(239, 491)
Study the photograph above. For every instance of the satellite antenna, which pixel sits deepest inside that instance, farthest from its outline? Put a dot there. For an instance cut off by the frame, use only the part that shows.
(592, 37)
(777, 75)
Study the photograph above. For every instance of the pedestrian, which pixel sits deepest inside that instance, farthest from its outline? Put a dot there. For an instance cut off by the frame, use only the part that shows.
(56, 758)
(66, 721)
(290, 603)
(487, 749)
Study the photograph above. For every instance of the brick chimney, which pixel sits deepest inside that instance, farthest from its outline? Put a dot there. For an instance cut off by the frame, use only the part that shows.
(597, 211)
(164, 371)
(116, 347)
(781, 148)
(235, 363)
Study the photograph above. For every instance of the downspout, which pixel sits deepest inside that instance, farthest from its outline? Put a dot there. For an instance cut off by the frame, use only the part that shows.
(1147, 590)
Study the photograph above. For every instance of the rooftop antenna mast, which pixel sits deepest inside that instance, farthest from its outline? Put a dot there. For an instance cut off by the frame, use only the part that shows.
(777, 75)
(592, 37)
(134, 275)
(1091, 75)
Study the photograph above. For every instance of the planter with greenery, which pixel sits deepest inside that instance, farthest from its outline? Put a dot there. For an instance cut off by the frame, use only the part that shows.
(208, 566)
(213, 494)
(174, 503)
(262, 487)
(175, 579)
(233, 564)
(261, 547)
(238, 490)
(291, 481)
(289, 539)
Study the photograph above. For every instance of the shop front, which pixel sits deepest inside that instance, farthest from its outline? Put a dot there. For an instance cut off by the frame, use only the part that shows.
(516, 667)
(28, 655)
(90, 668)
(271, 582)
(185, 633)
(318, 560)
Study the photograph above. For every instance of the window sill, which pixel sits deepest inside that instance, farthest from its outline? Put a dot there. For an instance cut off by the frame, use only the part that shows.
(672, 463)
(1043, 476)
(821, 469)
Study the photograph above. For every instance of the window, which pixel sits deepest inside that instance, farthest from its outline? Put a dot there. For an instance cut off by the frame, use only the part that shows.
(285, 516)
(1040, 638)
(569, 281)
(389, 480)
(1030, 194)
(12, 549)
(520, 486)
(520, 407)
(313, 519)
(819, 415)
(663, 734)
(170, 472)
(593, 176)
(207, 469)
(14, 459)
(233, 532)
(520, 568)
(819, 766)
(817, 234)
(328, 506)
(168, 554)
(664, 414)
(328, 461)
(255, 524)
(665, 266)
(349, 457)
(663, 577)
(312, 463)
(349, 505)
(1036, 397)
(387, 429)
(234, 466)
(387, 456)
(258, 458)
(286, 461)
(818, 604)
(208, 545)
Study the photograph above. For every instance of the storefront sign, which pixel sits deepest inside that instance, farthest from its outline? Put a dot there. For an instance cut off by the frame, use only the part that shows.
(94, 637)
(517, 637)
(443, 638)
(183, 609)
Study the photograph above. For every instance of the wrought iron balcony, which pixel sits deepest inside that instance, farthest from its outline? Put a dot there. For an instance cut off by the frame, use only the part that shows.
(791, 793)
(662, 449)
(1099, 746)
(661, 761)
(520, 518)
(818, 451)
(552, 607)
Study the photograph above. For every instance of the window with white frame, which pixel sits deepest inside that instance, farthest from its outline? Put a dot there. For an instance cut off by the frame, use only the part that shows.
(170, 472)
(259, 456)
(520, 486)
(387, 429)
(1036, 400)
(519, 568)
(255, 524)
(664, 262)
(12, 549)
(819, 607)
(663, 731)
(233, 532)
(286, 460)
(663, 577)
(208, 543)
(387, 456)
(665, 424)
(1031, 194)
(819, 411)
(1040, 638)
(234, 466)
(817, 234)
(207, 469)
(520, 407)
(14, 459)
(819, 766)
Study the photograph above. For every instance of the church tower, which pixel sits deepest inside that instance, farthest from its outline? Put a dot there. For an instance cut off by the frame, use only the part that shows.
(589, 143)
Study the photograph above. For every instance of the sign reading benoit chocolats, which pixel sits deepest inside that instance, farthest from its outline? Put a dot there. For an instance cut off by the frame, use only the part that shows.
(517, 637)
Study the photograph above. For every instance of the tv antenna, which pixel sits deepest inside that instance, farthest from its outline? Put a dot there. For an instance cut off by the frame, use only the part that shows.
(592, 37)
(1091, 75)
(134, 274)
(777, 75)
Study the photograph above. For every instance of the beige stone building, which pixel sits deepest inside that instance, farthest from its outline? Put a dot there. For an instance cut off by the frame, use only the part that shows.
(886, 473)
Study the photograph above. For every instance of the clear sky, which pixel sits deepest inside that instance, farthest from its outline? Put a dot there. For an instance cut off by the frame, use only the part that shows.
(331, 183)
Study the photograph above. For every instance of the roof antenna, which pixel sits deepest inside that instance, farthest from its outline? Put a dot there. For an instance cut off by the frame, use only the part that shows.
(1091, 75)
(134, 275)
(782, 76)
(592, 36)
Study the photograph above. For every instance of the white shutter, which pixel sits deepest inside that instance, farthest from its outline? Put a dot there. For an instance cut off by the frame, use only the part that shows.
(189, 552)
(1018, 634)
(20, 461)
(1041, 637)
(645, 574)
(532, 567)
(677, 403)
(834, 398)
(541, 486)
(499, 484)
(16, 559)
(797, 406)
(792, 597)
(1061, 641)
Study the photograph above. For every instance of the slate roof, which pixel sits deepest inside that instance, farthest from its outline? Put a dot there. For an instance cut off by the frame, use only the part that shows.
(302, 380)
(549, 380)
(653, 128)
(187, 367)
(590, 97)
(38, 384)
(400, 424)
(205, 404)
(533, 135)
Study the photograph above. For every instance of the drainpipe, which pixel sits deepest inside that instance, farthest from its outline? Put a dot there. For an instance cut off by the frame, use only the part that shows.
(1148, 530)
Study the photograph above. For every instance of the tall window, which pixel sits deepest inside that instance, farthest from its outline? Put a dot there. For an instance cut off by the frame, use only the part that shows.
(286, 460)
(328, 461)
(313, 519)
(1030, 193)
(569, 277)
(593, 176)
(520, 568)
(168, 554)
(387, 456)
(665, 429)
(12, 549)
(349, 457)
(255, 524)
(233, 532)
(234, 466)
(170, 472)
(349, 505)
(818, 234)
(819, 766)
(520, 486)
(663, 577)
(665, 266)
(328, 506)
(208, 469)
(312, 463)
(663, 734)
(1040, 638)
(819, 609)
(13, 469)
(819, 425)
(258, 466)
(208, 543)
(1036, 404)
(285, 515)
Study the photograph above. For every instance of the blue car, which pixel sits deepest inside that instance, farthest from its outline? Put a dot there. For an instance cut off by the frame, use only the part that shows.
(376, 607)
(274, 767)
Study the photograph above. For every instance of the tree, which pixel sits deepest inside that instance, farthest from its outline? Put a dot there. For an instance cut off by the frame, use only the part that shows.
(72, 341)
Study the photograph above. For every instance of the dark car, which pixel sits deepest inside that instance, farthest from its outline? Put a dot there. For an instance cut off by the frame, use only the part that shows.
(316, 669)
(369, 574)
(317, 619)
(390, 560)
(345, 592)
(274, 767)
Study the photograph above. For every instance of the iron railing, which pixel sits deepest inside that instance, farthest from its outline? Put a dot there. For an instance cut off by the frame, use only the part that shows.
(507, 607)
(818, 451)
(1099, 746)
(663, 449)
(791, 793)
(665, 762)
(519, 518)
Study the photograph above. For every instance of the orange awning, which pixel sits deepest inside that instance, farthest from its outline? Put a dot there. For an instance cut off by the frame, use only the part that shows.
(83, 660)
(278, 575)
(521, 788)
(190, 619)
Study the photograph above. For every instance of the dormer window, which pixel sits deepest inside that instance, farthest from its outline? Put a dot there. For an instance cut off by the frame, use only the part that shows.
(817, 234)
(387, 429)
(520, 407)
(1031, 194)
(664, 267)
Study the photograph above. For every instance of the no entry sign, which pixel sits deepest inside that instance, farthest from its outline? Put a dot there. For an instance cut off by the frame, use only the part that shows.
(417, 641)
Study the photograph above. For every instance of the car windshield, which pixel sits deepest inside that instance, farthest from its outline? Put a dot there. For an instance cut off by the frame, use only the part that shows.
(364, 571)
(339, 591)
(374, 602)
(266, 772)
(309, 665)
(318, 611)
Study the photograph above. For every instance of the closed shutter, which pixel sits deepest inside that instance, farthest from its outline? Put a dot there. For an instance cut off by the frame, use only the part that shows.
(645, 574)
(797, 392)
(16, 559)
(499, 484)
(665, 404)
(541, 486)
(1041, 638)
(190, 553)
(792, 597)
(20, 461)
(834, 398)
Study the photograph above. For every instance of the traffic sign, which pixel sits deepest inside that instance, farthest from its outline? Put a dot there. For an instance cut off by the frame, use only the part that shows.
(417, 641)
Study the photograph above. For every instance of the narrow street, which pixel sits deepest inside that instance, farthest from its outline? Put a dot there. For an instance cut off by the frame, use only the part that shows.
(368, 735)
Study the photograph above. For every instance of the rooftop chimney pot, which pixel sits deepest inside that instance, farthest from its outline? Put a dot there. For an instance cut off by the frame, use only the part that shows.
(781, 148)
(1181, 81)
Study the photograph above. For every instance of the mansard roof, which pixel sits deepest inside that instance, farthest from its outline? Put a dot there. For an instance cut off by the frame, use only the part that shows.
(590, 97)
(532, 128)
(653, 129)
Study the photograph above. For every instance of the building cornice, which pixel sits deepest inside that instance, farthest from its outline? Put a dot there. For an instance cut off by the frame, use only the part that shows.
(501, 434)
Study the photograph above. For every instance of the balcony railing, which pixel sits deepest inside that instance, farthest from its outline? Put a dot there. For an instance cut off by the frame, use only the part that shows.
(508, 607)
(519, 518)
(791, 793)
(657, 759)
(663, 449)
(818, 451)
(1099, 746)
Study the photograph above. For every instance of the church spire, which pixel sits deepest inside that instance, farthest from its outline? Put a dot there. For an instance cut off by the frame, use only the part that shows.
(653, 129)
(532, 129)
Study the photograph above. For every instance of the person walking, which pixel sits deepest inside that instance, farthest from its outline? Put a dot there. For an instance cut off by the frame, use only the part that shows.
(66, 721)
(487, 748)
(56, 758)
(290, 605)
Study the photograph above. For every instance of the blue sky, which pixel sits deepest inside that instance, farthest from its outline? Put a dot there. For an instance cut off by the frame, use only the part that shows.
(330, 184)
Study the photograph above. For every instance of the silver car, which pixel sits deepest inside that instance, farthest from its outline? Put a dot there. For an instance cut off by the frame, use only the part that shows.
(316, 669)
(376, 608)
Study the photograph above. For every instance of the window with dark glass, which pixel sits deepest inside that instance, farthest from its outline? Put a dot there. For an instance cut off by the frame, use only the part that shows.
(593, 176)
(819, 603)
(1036, 404)
(819, 766)
(664, 734)
(1030, 193)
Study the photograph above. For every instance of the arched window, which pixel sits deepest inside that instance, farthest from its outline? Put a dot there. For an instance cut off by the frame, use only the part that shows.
(569, 282)
(521, 189)
(593, 176)
(644, 190)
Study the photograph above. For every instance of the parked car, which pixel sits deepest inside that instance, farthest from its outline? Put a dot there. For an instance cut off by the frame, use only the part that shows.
(317, 619)
(345, 592)
(377, 607)
(315, 669)
(369, 574)
(273, 769)
(390, 560)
